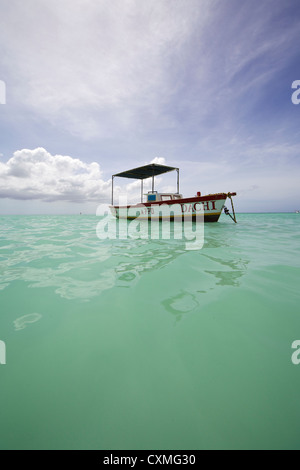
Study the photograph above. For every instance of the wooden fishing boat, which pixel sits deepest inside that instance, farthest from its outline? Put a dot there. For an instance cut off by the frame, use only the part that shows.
(157, 204)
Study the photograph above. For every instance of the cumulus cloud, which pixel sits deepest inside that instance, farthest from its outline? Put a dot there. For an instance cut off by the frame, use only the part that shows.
(159, 160)
(36, 174)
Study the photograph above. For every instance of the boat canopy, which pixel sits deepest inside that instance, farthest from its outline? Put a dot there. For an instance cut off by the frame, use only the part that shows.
(147, 171)
(144, 172)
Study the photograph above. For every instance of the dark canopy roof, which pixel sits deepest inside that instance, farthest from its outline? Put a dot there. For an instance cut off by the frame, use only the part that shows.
(146, 171)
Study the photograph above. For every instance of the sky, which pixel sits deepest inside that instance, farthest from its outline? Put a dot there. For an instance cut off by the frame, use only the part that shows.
(90, 88)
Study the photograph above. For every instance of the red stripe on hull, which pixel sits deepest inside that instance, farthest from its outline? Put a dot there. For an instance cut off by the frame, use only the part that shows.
(188, 200)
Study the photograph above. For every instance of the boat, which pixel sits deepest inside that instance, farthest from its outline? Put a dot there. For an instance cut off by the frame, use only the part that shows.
(209, 205)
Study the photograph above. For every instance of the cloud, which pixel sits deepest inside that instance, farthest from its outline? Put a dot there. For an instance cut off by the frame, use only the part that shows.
(100, 70)
(90, 66)
(36, 174)
(159, 160)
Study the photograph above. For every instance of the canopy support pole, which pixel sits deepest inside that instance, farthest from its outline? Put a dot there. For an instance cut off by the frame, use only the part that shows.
(142, 190)
(112, 190)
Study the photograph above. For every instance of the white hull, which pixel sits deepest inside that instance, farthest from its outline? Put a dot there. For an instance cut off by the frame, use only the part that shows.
(183, 209)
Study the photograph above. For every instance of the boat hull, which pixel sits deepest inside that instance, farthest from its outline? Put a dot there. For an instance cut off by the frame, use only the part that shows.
(210, 207)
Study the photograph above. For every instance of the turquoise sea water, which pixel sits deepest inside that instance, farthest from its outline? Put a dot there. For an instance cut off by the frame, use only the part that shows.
(141, 344)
